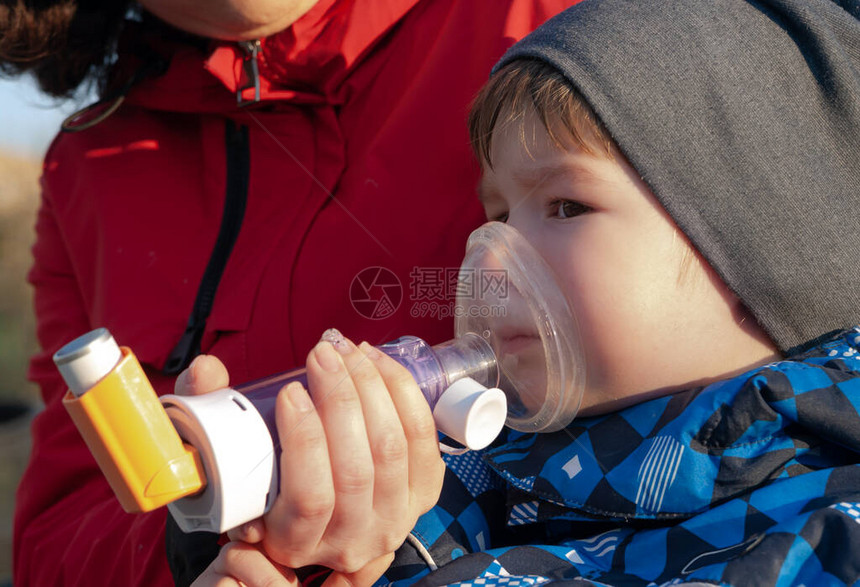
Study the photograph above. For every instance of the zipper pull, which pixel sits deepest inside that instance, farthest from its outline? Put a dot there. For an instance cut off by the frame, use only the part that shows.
(250, 72)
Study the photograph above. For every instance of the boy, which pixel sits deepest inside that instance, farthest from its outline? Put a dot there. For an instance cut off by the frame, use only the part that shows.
(687, 169)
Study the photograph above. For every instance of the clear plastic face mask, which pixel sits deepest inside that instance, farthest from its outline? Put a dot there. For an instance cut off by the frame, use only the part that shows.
(509, 295)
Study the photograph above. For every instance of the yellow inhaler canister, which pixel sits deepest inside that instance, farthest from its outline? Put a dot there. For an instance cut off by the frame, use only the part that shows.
(125, 425)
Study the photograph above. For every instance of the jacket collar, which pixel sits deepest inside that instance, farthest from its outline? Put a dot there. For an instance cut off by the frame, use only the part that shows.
(676, 456)
(306, 63)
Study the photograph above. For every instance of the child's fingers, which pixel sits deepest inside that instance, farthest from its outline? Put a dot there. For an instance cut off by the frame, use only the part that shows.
(205, 373)
(365, 576)
(243, 564)
(251, 532)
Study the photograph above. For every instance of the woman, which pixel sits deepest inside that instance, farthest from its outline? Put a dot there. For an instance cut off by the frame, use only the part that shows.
(255, 173)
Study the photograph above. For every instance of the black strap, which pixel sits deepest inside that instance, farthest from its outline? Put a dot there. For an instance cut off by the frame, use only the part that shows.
(188, 555)
(236, 198)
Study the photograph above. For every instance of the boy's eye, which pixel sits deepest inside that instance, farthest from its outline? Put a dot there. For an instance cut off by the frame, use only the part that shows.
(568, 208)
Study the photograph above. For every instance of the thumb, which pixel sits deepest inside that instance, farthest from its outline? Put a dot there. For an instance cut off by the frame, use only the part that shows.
(205, 373)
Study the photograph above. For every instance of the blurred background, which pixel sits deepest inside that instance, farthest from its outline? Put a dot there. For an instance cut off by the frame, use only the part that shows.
(28, 123)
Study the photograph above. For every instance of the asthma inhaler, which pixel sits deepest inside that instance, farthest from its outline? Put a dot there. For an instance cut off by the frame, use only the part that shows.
(124, 425)
(212, 459)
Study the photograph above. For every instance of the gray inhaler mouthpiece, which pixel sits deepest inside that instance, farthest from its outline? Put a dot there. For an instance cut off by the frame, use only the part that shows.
(508, 294)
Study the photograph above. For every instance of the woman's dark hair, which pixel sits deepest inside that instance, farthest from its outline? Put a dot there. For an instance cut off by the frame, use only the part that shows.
(61, 43)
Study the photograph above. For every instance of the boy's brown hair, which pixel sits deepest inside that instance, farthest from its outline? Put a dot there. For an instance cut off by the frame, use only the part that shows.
(531, 84)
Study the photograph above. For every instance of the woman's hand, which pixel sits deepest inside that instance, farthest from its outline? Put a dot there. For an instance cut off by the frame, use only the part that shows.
(359, 463)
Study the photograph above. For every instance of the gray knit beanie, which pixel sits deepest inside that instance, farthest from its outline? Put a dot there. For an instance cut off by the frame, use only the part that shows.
(744, 119)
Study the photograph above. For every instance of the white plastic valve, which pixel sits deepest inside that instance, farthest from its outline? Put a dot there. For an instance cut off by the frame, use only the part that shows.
(238, 455)
(470, 413)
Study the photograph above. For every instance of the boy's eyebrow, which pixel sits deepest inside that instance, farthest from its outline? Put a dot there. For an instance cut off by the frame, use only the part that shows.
(534, 176)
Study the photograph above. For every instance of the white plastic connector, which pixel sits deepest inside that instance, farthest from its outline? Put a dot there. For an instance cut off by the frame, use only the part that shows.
(237, 453)
(470, 413)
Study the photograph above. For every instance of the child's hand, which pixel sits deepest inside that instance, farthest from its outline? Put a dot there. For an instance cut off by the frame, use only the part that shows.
(243, 564)
(358, 466)
(239, 563)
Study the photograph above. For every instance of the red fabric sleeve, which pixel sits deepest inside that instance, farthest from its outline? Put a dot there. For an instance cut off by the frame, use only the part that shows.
(69, 527)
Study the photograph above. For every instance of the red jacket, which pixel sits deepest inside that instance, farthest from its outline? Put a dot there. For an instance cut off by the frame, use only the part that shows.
(365, 99)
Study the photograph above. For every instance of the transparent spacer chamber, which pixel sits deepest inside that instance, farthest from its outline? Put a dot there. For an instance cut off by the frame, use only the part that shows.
(434, 368)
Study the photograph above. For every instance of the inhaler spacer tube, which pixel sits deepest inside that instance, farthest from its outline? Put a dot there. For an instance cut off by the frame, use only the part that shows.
(234, 429)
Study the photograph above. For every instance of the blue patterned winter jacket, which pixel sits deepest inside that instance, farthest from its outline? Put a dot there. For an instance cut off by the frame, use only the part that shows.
(750, 481)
